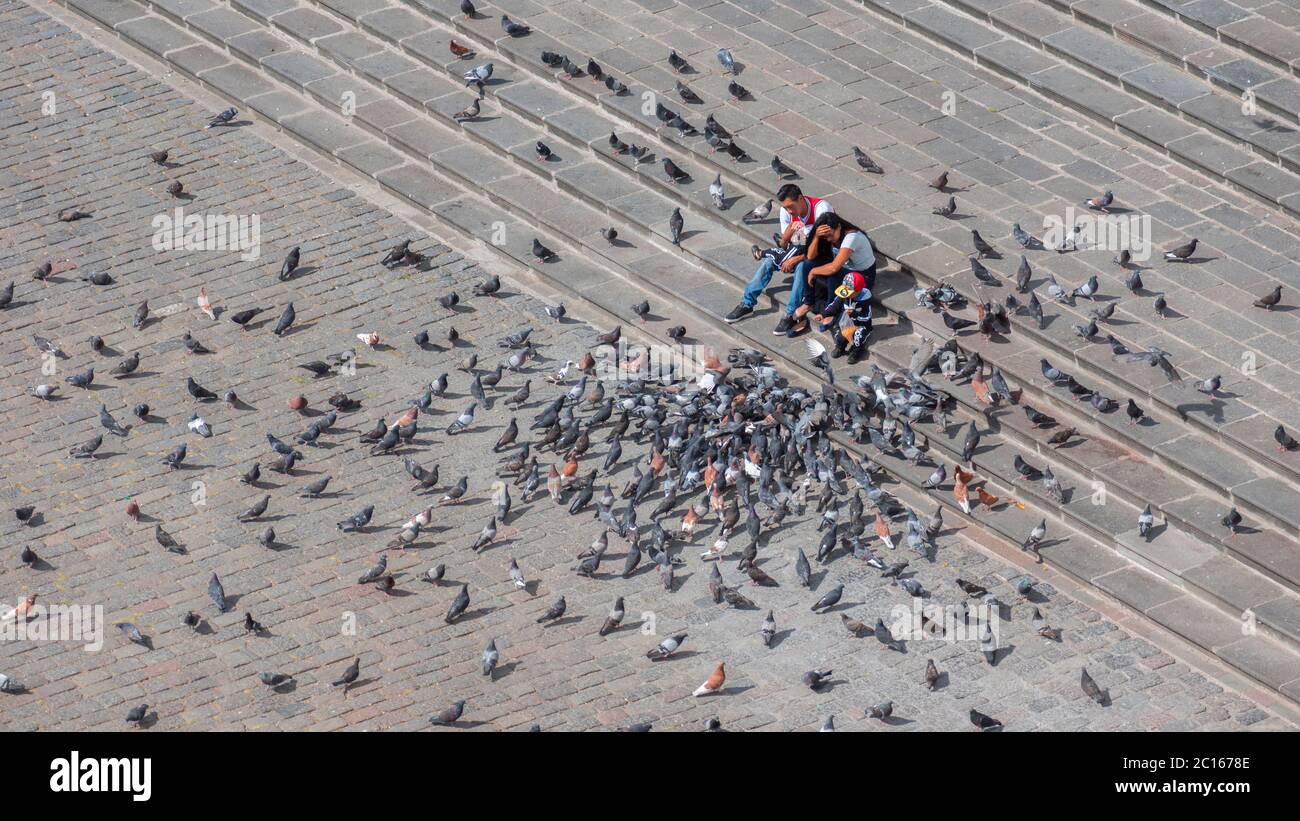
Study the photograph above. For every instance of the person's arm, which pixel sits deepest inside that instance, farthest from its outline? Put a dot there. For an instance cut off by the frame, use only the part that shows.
(834, 266)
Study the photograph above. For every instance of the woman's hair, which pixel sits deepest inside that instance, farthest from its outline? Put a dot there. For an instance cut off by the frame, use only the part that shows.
(832, 220)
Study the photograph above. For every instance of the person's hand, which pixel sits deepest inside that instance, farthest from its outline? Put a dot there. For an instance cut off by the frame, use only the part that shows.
(824, 231)
(789, 265)
(811, 276)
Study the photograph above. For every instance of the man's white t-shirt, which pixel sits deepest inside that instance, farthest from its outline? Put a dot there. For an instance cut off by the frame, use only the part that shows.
(800, 235)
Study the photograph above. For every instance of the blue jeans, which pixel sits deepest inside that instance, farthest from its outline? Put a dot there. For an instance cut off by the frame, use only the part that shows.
(763, 276)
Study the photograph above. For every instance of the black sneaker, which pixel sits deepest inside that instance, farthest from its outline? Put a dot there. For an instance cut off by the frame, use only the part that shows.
(738, 313)
(756, 251)
(857, 354)
(783, 326)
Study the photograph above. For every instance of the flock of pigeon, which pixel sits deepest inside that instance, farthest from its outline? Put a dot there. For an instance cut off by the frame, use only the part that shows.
(736, 442)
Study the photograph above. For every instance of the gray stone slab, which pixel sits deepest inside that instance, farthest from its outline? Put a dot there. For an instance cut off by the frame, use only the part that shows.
(196, 59)
(1173, 549)
(1197, 621)
(347, 47)
(221, 23)
(1081, 92)
(1235, 584)
(329, 134)
(1154, 126)
(108, 12)
(417, 185)
(598, 183)
(1012, 58)
(1164, 85)
(307, 24)
(961, 33)
(1204, 151)
(371, 157)
(1138, 588)
(297, 68)
(1084, 558)
(237, 82)
(1266, 180)
(155, 35)
(1282, 614)
(395, 23)
(263, 10)
(1095, 50)
(1262, 659)
(277, 105)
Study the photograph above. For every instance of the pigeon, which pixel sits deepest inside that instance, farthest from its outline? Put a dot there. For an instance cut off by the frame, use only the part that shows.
(727, 62)
(217, 593)
(713, 684)
(200, 426)
(109, 423)
(1145, 521)
(1090, 688)
(555, 611)
(760, 213)
(737, 91)
(687, 95)
(223, 118)
(614, 619)
(1267, 301)
(458, 605)
(136, 715)
(815, 679)
(357, 521)
(1101, 203)
(947, 209)
(349, 677)
(286, 319)
(466, 114)
(666, 647)
(675, 225)
(1231, 520)
(478, 75)
(86, 450)
(173, 460)
(677, 63)
(1182, 253)
(866, 163)
(984, 723)
(449, 716)
(781, 169)
(512, 28)
(275, 680)
(830, 599)
(542, 252)
(1285, 442)
(715, 192)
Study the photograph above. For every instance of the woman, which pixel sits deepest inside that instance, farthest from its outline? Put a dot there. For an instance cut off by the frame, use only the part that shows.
(852, 254)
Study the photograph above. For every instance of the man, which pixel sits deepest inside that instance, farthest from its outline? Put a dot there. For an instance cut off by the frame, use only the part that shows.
(798, 213)
(850, 311)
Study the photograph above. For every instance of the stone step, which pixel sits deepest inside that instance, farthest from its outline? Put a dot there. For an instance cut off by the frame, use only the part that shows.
(1188, 74)
(686, 291)
(531, 101)
(924, 261)
(549, 109)
(1266, 31)
(1244, 154)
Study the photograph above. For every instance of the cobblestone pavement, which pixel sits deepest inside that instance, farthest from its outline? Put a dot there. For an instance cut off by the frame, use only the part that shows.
(91, 153)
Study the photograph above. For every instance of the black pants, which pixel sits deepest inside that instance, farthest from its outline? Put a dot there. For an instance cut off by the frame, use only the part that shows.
(822, 289)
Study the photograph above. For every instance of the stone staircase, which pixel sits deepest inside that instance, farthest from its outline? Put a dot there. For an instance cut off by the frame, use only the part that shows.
(1187, 111)
(302, 64)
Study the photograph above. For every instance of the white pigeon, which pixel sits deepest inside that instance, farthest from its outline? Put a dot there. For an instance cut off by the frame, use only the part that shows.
(200, 426)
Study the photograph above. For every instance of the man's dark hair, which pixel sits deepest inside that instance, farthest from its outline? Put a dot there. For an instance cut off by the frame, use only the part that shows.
(789, 191)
